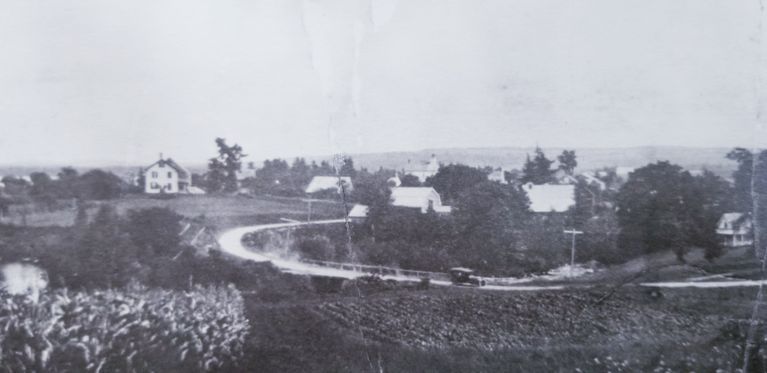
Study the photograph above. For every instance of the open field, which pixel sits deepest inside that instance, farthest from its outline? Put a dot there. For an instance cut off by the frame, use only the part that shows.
(219, 210)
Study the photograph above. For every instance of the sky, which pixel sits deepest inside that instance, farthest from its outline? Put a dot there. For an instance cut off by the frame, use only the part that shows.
(118, 82)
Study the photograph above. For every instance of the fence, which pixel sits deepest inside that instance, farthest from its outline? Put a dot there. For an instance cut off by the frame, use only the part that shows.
(379, 270)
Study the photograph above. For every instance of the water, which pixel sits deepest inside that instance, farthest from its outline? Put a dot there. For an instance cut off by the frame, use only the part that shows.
(23, 278)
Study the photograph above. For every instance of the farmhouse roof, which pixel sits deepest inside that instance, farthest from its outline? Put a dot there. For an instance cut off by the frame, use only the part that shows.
(358, 211)
(320, 183)
(550, 197)
(733, 218)
(182, 172)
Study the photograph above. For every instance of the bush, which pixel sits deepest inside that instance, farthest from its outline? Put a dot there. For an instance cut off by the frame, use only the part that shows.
(123, 330)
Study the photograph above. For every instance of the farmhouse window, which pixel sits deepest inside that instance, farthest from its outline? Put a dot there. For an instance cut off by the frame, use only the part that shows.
(154, 174)
(170, 174)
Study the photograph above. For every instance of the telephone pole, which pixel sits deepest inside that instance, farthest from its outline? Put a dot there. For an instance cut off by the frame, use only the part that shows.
(573, 232)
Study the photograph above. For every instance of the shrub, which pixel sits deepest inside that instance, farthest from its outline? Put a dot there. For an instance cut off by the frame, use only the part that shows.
(123, 330)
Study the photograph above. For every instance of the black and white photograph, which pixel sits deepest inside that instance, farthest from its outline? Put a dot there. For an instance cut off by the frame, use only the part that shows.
(383, 186)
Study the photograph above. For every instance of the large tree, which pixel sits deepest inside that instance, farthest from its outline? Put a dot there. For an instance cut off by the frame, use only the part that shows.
(487, 216)
(347, 167)
(662, 207)
(538, 169)
(567, 161)
(451, 180)
(99, 185)
(222, 170)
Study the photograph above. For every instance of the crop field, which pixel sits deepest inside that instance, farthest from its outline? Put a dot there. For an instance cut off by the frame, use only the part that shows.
(466, 330)
(134, 330)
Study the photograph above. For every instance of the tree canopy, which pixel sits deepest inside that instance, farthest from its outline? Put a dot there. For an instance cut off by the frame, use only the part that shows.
(537, 170)
(222, 170)
(567, 161)
(451, 180)
(661, 206)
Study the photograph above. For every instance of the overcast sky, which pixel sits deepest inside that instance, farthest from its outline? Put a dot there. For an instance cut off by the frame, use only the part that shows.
(106, 81)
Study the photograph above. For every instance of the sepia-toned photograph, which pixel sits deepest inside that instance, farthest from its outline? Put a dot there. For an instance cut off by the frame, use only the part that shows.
(383, 186)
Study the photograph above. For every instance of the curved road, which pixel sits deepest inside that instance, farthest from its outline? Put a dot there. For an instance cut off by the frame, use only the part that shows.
(231, 243)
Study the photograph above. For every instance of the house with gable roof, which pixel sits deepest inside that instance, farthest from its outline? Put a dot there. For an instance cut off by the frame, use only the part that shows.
(735, 229)
(166, 176)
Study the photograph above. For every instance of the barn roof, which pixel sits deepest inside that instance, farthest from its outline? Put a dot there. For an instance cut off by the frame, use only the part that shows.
(550, 197)
(732, 218)
(358, 211)
(182, 172)
(320, 183)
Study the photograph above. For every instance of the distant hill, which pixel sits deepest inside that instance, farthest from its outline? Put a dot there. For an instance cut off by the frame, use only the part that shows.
(712, 159)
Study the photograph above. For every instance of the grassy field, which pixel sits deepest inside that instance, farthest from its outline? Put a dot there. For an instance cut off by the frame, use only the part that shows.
(220, 210)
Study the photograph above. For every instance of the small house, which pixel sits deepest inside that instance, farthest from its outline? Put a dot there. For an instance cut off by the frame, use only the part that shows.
(735, 229)
(422, 198)
(166, 176)
(423, 170)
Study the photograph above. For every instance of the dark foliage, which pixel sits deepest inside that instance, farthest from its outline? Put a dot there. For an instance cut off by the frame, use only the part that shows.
(451, 180)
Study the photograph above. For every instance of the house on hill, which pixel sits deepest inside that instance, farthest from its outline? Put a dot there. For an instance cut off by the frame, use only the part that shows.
(166, 176)
(423, 170)
(324, 183)
(735, 229)
(550, 197)
(422, 198)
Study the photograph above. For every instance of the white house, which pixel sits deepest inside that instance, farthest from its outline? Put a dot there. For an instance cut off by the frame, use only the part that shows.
(418, 197)
(320, 183)
(550, 197)
(735, 229)
(358, 212)
(498, 175)
(423, 170)
(166, 176)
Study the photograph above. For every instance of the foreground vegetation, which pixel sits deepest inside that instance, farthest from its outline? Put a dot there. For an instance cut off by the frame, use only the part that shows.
(130, 330)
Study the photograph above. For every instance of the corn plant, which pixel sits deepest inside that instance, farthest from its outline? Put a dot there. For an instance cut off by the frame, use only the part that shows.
(130, 330)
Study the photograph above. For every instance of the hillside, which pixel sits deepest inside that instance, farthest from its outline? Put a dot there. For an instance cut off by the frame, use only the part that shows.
(509, 158)
(588, 158)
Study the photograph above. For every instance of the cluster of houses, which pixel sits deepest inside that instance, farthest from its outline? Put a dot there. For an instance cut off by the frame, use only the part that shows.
(167, 176)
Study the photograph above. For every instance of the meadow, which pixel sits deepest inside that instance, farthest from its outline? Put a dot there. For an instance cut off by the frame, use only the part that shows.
(222, 211)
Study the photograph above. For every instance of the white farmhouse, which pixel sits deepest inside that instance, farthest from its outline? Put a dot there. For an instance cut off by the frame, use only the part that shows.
(166, 176)
(321, 183)
(423, 170)
(422, 198)
(735, 229)
(549, 197)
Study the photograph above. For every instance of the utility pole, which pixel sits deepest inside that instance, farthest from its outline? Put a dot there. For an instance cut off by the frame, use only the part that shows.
(573, 232)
